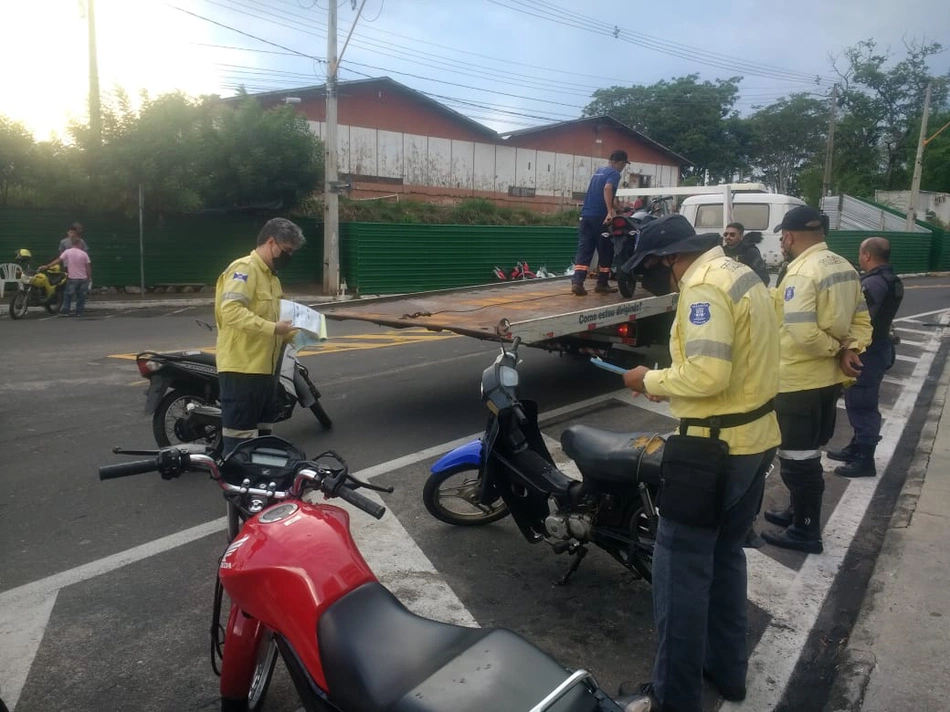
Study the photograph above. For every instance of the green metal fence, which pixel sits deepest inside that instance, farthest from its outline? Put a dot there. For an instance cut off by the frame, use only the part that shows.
(386, 258)
(376, 258)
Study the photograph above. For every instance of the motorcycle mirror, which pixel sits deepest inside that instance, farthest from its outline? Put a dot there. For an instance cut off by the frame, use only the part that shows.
(204, 325)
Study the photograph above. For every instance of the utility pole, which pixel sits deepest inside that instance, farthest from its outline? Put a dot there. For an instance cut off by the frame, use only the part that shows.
(829, 150)
(95, 108)
(331, 199)
(918, 165)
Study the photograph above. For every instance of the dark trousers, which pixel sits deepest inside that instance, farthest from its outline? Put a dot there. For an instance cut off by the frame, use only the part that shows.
(590, 237)
(699, 594)
(861, 399)
(248, 406)
(807, 421)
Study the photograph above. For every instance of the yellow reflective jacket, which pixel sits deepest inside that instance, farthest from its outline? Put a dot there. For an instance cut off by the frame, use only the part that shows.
(246, 310)
(725, 346)
(819, 304)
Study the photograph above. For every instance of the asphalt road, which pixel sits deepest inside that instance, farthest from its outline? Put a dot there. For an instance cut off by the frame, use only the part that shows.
(135, 637)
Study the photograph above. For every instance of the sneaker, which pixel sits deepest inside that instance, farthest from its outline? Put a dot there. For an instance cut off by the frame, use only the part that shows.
(64, 314)
(637, 698)
(578, 290)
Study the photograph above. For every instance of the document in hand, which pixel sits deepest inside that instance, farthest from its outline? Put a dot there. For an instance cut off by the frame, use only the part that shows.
(311, 325)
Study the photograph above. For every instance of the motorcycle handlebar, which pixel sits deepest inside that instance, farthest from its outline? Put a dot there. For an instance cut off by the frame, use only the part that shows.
(127, 469)
(360, 502)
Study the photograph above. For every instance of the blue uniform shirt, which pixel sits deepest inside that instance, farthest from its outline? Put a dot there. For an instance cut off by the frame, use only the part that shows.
(594, 206)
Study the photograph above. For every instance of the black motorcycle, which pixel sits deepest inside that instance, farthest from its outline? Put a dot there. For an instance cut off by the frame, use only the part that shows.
(183, 395)
(510, 471)
(623, 231)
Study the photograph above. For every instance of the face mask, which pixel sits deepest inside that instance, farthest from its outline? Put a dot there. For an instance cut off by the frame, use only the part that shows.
(656, 280)
(281, 260)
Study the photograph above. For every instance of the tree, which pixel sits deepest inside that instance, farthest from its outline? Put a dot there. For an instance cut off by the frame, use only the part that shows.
(786, 137)
(15, 146)
(256, 156)
(693, 118)
(886, 102)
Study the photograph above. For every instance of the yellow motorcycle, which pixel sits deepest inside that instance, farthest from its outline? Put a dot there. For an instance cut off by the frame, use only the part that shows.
(39, 288)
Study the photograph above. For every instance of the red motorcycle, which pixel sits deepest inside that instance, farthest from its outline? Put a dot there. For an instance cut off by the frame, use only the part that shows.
(299, 588)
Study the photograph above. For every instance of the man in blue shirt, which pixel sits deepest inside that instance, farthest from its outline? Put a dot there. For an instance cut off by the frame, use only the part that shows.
(598, 209)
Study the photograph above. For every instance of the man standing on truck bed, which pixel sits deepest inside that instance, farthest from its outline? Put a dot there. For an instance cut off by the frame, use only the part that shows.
(250, 333)
(598, 209)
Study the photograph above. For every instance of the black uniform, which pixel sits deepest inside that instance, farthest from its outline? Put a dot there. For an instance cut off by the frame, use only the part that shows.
(748, 254)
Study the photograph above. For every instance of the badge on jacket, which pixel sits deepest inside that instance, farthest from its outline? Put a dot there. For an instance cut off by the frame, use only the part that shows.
(789, 293)
(240, 276)
(699, 313)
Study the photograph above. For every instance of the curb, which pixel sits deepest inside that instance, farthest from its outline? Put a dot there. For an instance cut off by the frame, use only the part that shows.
(857, 662)
(118, 305)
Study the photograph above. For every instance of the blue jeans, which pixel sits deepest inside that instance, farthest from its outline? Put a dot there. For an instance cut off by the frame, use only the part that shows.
(699, 594)
(77, 288)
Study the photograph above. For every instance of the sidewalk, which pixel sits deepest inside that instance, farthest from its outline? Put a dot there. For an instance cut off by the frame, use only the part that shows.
(150, 301)
(899, 652)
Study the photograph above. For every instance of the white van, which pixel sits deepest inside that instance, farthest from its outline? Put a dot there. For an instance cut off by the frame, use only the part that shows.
(756, 211)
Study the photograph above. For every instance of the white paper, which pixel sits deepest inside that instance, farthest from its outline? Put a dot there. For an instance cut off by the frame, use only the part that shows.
(310, 324)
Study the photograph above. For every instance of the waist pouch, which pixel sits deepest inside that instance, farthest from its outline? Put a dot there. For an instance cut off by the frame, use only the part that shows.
(693, 470)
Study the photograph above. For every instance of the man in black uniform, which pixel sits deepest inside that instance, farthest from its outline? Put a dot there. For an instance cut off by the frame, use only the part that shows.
(883, 291)
(742, 248)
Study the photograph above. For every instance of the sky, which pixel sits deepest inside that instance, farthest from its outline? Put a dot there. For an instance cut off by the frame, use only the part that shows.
(506, 63)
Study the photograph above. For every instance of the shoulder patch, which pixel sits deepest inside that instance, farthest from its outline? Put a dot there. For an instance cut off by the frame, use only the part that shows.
(240, 276)
(699, 313)
(789, 293)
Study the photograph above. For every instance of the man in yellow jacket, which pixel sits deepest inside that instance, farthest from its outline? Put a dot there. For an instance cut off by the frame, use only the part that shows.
(250, 333)
(724, 345)
(825, 325)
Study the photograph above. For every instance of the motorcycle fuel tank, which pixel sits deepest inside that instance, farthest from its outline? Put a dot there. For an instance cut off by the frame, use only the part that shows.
(288, 565)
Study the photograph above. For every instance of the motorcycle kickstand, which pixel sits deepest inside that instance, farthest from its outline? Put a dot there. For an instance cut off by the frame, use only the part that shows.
(578, 558)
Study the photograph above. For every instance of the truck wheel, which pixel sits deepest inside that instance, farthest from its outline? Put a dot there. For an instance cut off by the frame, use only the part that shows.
(451, 497)
(626, 284)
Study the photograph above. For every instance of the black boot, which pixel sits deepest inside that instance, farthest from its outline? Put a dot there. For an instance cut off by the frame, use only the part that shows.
(846, 454)
(780, 517)
(804, 534)
(862, 465)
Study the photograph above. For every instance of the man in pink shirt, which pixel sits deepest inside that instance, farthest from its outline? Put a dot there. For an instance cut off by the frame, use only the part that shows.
(79, 273)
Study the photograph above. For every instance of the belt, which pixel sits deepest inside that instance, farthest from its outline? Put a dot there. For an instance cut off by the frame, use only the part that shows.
(730, 420)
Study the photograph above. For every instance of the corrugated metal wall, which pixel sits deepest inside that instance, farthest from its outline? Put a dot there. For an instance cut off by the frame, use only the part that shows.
(910, 251)
(383, 258)
(177, 250)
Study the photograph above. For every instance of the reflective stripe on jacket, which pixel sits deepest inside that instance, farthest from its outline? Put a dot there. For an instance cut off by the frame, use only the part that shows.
(246, 310)
(724, 346)
(819, 304)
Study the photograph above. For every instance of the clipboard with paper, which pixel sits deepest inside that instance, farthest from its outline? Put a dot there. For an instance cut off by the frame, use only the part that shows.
(310, 325)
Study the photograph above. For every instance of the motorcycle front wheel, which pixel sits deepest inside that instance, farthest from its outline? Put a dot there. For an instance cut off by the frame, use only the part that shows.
(263, 673)
(452, 497)
(166, 427)
(19, 304)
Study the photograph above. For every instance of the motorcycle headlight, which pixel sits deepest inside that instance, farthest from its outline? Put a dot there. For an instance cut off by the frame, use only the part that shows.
(509, 376)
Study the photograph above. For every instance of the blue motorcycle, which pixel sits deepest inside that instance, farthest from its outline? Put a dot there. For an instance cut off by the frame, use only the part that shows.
(509, 470)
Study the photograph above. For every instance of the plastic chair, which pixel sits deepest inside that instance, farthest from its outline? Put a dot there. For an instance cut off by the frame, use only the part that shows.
(10, 272)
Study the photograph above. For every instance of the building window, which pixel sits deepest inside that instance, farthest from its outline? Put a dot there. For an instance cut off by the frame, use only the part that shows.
(517, 191)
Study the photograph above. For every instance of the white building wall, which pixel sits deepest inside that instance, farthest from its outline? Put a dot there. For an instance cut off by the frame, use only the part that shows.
(441, 162)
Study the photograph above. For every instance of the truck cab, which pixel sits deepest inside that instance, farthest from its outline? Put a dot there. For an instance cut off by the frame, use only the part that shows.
(756, 211)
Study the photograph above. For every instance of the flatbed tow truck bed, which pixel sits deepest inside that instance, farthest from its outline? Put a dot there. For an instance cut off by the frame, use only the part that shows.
(543, 312)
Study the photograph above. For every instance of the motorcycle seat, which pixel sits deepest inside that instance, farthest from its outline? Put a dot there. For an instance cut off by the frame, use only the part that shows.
(202, 357)
(378, 656)
(614, 458)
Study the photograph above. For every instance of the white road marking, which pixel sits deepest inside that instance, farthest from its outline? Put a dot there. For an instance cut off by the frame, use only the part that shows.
(916, 344)
(909, 359)
(774, 658)
(915, 317)
(895, 381)
(922, 332)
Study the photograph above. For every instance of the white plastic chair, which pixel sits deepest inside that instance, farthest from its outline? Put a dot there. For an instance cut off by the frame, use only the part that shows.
(10, 272)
